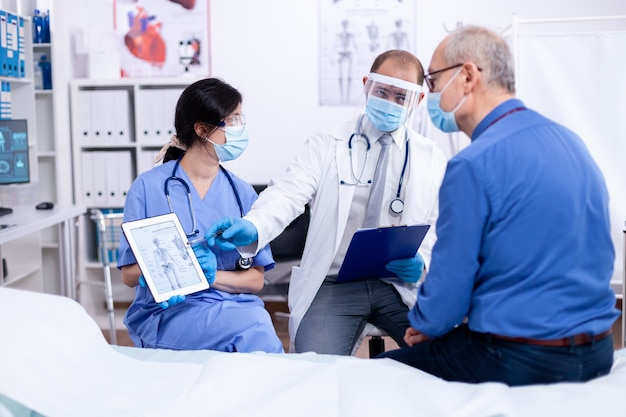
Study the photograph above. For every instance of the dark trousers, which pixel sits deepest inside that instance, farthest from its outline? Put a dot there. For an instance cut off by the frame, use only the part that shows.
(340, 312)
(466, 356)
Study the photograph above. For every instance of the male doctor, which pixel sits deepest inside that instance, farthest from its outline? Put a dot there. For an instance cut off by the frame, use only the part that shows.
(335, 174)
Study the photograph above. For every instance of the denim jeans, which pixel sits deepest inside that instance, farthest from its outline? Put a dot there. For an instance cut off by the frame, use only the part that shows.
(466, 356)
(340, 311)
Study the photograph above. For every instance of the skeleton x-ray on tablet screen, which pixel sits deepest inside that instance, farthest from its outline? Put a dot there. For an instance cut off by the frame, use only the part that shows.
(165, 257)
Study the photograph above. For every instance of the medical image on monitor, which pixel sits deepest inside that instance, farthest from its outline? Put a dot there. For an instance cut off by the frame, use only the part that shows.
(14, 168)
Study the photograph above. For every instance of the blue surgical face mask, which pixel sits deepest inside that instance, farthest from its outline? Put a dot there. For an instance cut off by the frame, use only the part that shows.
(386, 115)
(236, 143)
(444, 120)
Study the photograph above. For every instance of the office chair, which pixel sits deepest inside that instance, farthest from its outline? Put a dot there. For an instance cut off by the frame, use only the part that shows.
(376, 342)
(286, 248)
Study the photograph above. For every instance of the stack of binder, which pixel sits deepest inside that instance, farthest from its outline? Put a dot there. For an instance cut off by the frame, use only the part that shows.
(12, 45)
(104, 117)
(6, 108)
(155, 114)
(107, 175)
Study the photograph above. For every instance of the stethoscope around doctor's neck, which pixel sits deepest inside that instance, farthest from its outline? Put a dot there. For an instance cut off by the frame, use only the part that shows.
(243, 263)
(397, 204)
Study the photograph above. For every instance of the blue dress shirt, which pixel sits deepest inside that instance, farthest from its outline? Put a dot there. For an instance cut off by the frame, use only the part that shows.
(524, 246)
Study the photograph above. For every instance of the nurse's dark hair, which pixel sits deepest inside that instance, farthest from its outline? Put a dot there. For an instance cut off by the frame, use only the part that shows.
(208, 101)
(403, 59)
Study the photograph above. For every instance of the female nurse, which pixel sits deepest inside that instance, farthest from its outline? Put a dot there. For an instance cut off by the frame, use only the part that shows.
(229, 317)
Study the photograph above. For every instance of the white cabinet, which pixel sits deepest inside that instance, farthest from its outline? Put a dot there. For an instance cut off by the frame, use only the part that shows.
(22, 263)
(31, 261)
(117, 127)
(46, 144)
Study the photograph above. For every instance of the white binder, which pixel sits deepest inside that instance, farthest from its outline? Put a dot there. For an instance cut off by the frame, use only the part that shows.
(119, 100)
(88, 168)
(83, 128)
(123, 176)
(144, 115)
(99, 177)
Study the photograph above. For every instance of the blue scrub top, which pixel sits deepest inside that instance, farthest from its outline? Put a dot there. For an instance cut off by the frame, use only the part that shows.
(146, 198)
(149, 325)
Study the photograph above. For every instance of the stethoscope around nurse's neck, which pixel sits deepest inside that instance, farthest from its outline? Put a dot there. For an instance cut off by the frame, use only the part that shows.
(397, 204)
(243, 263)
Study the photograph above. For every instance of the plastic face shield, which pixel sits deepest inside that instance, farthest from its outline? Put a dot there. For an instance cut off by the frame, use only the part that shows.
(400, 92)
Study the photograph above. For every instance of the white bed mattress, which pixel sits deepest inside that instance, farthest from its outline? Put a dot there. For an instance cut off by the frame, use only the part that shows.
(55, 361)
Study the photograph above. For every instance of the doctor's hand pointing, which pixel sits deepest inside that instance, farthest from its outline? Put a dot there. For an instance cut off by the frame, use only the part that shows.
(230, 232)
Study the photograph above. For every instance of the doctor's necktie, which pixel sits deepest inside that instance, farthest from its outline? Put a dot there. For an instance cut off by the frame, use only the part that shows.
(375, 202)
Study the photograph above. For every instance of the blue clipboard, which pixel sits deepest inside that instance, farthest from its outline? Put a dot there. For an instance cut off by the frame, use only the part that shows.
(371, 249)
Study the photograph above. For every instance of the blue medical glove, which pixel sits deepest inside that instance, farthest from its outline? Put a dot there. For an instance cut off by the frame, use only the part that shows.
(175, 299)
(229, 232)
(207, 261)
(409, 269)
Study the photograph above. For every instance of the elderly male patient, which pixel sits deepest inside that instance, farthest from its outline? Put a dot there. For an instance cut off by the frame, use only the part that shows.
(518, 288)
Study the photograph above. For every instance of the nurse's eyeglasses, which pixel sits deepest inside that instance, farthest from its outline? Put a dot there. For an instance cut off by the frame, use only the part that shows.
(236, 121)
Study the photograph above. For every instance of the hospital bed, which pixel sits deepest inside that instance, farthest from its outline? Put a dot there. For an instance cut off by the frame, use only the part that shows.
(54, 361)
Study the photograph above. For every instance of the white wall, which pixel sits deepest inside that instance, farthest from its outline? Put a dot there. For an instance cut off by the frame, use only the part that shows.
(269, 51)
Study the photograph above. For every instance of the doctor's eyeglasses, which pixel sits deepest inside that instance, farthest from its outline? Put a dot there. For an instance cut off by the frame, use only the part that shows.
(236, 121)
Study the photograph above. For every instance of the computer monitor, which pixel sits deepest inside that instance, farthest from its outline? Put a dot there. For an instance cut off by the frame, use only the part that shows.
(14, 164)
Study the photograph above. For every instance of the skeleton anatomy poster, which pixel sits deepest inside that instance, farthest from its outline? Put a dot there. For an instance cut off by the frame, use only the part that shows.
(163, 37)
(352, 34)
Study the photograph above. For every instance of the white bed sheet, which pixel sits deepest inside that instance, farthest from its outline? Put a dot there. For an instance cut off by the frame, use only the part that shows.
(55, 361)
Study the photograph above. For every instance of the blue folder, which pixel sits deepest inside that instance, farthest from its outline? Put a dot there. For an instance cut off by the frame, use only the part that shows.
(371, 249)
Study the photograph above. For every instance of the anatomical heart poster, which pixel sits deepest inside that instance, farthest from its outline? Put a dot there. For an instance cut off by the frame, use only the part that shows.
(163, 37)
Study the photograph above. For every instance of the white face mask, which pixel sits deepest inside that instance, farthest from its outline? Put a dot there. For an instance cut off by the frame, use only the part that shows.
(236, 143)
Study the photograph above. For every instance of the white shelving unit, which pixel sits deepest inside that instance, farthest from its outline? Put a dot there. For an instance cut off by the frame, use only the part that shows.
(46, 145)
(23, 266)
(117, 128)
(48, 181)
(32, 261)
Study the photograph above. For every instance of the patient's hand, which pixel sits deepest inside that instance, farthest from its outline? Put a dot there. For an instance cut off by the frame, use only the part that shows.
(413, 337)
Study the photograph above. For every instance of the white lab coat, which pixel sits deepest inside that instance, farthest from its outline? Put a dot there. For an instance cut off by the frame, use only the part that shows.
(314, 177)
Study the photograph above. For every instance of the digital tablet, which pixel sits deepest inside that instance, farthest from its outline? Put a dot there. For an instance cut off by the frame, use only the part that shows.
(165, 257)
(371, 250)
